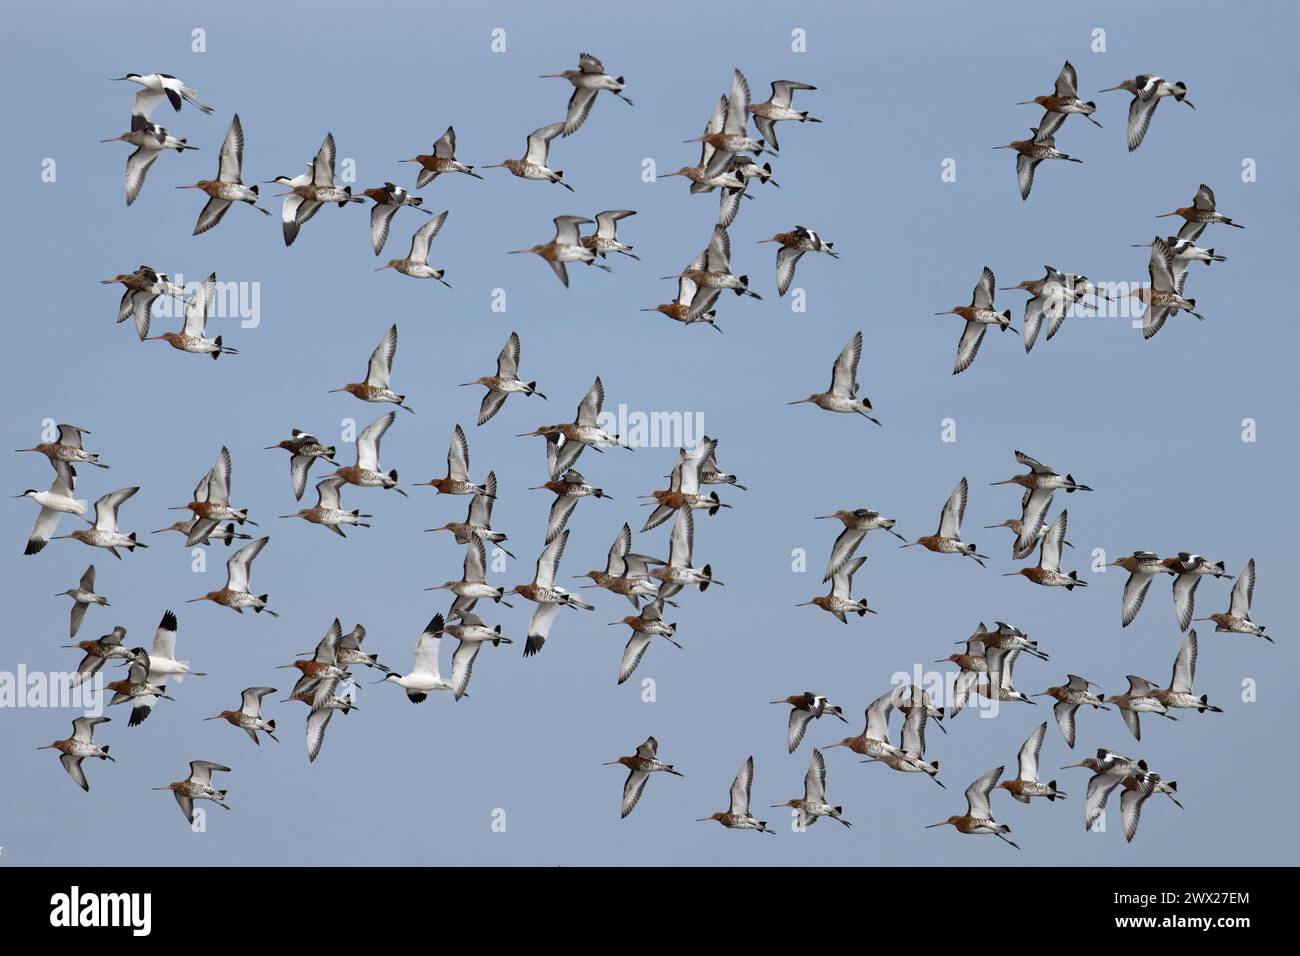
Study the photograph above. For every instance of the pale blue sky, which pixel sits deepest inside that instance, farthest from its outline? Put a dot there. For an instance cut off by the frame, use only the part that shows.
(1154, 426)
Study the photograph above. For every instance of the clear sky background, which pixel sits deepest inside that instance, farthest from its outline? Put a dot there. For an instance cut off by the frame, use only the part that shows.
(1155, 427)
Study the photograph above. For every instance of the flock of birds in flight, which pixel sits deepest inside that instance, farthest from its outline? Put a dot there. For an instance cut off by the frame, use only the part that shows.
(727, 164)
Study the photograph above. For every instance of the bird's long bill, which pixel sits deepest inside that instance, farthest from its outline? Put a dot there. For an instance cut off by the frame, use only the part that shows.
(1069, 765)
(931, 826)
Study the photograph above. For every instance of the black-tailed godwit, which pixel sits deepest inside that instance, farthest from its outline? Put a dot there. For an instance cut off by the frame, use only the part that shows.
(640, 765)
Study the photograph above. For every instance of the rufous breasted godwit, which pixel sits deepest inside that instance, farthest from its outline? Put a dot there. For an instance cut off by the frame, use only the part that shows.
(472, 634)
(303, 448)
(909, 756)
(442, 161)
(857, 523)
(874, 739)
(248, 717)
(387, 199)
(546, 594)
(228, 188)
(211, 504)
(1163, 296)
(99, 651)
(322, 673)
(948, 538)
(1236, 620)
(840, 601)
(1026, 784)
(805, 708)
(505, 382)
(978, 818)
(1063, 101)
(66, 451)
(645, 624)
(472, 586)
(584, 430)
(733, 136)
(605, 239)
(150, 141)
(707, 175)
(625, 573)
(794, 244)
(197, 787)
(1052, 298)
(565, 247)
(640, 765)
(1142, 567)
(679, 310)
(1188, 569)
(813, 804)
(680, 571)
(684, 486)
(227, 535)
(778, 108)
(979, 315)
(711, 273)
(1138, 700)
(1030, 152)
(1201, 213)
(1048, 571)
(1147, 91)
(235, 595)
(1041, 483)
(1074, 693)
(140, 289)
(457, 480)
(312, 190)
(366, 472)
(1179, 694)
(193, 334)
(1109, 770)
(478, 522)
(78, 747)
(138, 688)
(737, 816)
(568, 488)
